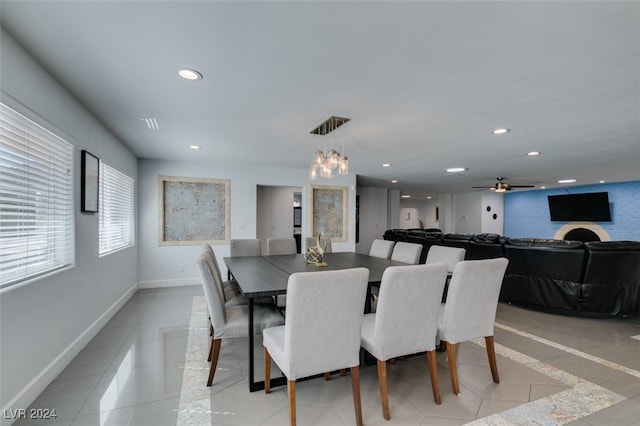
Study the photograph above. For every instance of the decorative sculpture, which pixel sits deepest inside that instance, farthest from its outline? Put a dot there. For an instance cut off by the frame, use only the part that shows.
(313, 255)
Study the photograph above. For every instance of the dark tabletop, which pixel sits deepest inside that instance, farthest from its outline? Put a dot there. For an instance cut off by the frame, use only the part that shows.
(268, 275)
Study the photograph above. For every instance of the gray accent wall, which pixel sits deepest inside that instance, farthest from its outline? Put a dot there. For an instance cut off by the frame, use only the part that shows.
(45, 322)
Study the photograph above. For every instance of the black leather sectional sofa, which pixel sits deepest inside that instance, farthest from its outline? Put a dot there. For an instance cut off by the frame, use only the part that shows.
(594, 279)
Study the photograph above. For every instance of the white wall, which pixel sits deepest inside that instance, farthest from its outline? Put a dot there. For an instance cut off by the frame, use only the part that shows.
(275, 213)
(467, 212)
(492, 204)
(44, 323)
(446, 208)
(393, 209)
(175, 265)
(422, 213)
(373, 216)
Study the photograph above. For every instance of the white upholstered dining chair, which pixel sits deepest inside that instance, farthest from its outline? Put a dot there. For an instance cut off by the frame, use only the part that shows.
(381, 248)
(321, 332)
(470, 310)
(277, 246)
(406, 252)
(444, 254)
(230, 289)
(406, 321)
(229, 321)
(244, 247)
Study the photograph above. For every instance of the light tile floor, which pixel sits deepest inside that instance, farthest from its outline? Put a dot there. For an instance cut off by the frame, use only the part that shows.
(148, 367)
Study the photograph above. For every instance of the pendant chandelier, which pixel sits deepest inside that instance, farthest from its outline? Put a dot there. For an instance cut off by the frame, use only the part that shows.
(323, 165)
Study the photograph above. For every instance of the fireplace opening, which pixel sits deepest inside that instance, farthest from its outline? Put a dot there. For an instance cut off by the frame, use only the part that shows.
(581, 234)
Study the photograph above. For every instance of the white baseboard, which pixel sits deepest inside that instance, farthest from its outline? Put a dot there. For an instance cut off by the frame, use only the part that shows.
(183, 282)
(30, 392)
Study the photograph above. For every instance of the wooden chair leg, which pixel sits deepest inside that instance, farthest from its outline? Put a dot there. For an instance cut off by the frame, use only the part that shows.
(384, 391)
(210, 351)
(433, 374)
(343, 372)
(215, 345)
(491, 354)
(291, 390)
(267, 371)
(355, 384)
(453, 368)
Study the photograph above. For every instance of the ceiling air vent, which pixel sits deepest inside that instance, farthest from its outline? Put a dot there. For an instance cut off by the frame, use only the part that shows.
(152, 123)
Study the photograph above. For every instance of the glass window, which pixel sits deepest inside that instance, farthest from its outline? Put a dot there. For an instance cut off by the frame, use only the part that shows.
(116, 210)
(36, 199)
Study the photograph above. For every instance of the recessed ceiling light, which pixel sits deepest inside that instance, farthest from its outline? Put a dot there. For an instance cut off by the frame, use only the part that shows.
(394, 181)
(566, 181)
(500, 131)
(602, 181)
(194, 146)
(189, 74)
(386, 165)
(543, 187)
(455, 169)
(533, 153)
(405, 196)
(429, 197)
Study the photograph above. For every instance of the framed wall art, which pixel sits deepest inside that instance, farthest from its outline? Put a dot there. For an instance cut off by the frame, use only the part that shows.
(330, 212)
(89, 183)
(193, 211)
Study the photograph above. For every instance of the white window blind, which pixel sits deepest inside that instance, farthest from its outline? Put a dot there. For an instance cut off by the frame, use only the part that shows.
(36, 199)
(116, 210)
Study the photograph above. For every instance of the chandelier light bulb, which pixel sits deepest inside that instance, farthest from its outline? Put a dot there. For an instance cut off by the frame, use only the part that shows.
(313, 171)
(343, 166)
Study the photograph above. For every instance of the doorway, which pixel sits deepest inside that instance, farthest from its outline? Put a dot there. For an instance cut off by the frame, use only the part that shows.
(279, 209)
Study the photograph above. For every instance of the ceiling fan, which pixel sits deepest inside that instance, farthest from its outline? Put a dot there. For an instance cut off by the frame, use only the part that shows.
(502, 186)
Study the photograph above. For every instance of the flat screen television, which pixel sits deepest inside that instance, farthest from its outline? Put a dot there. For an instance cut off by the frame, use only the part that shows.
(588, 207)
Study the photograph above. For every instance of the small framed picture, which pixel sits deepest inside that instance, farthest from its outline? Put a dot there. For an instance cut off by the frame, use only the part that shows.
(89, 183)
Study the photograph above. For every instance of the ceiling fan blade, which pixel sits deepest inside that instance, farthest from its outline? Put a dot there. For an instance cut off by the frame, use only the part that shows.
(522, 186)
(482, 187)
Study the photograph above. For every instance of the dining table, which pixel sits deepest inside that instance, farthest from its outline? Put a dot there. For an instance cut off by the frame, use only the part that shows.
(263, 276)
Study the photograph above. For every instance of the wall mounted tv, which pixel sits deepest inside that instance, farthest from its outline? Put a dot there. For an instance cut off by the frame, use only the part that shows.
(588, 207)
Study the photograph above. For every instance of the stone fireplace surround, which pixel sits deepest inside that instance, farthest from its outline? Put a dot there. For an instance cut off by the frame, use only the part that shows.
(597, 230)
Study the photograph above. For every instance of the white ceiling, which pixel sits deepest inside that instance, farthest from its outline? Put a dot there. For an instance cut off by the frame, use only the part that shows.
(424, 83)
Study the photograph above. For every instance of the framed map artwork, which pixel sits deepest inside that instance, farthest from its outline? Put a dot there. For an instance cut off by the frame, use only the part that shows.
(329, 212)
(193, 211)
